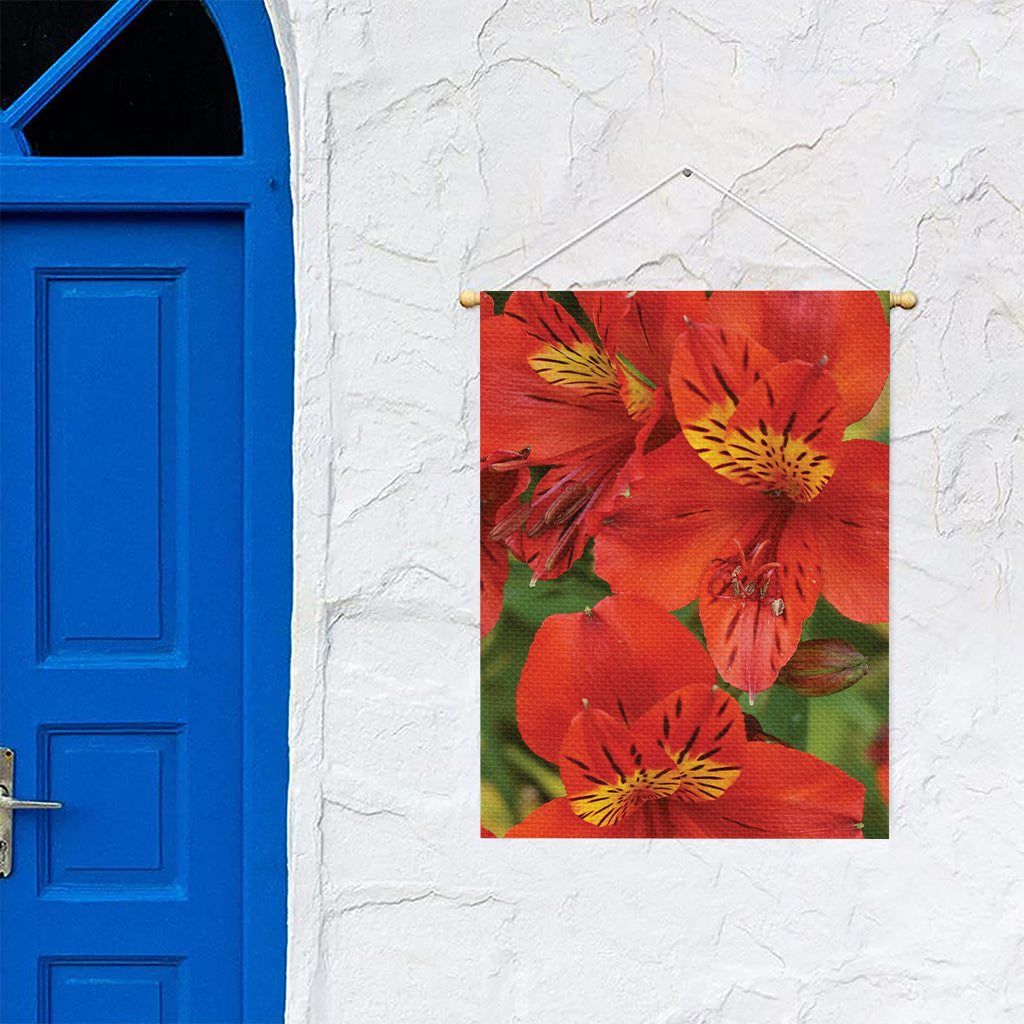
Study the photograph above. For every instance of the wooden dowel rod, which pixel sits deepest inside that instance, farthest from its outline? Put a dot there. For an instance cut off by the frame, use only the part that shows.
(898, 300)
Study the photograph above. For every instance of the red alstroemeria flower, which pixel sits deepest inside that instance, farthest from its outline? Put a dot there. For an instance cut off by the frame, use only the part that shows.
(588, 408)
(504, 476)
(622, 699)
(760, 505)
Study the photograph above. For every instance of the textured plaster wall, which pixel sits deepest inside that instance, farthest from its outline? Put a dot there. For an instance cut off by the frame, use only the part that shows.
(448, 144)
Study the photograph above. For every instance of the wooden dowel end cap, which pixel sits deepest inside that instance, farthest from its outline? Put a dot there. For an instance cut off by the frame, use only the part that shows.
(468, 299)
(905, 300)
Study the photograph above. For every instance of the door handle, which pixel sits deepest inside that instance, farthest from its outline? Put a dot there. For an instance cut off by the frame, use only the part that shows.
(9, 804)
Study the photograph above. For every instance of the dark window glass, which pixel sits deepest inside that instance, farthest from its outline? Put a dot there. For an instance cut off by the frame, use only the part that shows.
(163, 87)
(34, 34)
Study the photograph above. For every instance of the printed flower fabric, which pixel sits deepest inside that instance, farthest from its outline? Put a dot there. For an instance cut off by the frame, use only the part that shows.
(720, 456)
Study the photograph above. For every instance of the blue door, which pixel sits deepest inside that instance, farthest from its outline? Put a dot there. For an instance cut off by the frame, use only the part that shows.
(120, 485)
(145, 421)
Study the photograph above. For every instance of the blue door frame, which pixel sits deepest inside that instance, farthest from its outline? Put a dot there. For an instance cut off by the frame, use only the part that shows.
(251, 190)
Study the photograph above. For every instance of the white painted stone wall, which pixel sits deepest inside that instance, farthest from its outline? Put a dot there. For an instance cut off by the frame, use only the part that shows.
(447, 144)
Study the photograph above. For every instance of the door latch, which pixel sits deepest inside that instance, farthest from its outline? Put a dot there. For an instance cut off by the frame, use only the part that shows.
(8, 805)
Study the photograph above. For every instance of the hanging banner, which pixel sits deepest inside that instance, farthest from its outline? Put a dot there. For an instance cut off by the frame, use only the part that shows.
(684, 564)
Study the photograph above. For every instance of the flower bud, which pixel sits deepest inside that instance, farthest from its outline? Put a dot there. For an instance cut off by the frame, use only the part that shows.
(821, 667)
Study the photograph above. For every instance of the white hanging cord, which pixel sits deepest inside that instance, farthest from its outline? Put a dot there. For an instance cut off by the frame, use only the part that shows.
(792, 236)
(594, 227)
(905, 300)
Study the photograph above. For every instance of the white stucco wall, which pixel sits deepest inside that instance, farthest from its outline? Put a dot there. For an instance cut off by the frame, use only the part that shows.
(446, 145)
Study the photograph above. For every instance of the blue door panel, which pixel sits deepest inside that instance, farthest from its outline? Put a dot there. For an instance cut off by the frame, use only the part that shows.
(109, 432)
(121, 614)
(127, 836)
(128, 991)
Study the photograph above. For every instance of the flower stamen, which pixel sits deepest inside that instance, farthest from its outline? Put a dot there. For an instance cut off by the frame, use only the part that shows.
(508, 525)
(567, 538)
(571, 499)
(512, 465)
(745, 576)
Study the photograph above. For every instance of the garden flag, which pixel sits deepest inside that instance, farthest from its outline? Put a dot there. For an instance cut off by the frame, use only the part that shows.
(684, 570)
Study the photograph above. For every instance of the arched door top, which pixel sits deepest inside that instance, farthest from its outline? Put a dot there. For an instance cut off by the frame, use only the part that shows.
(121, 94)
(160, 86)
